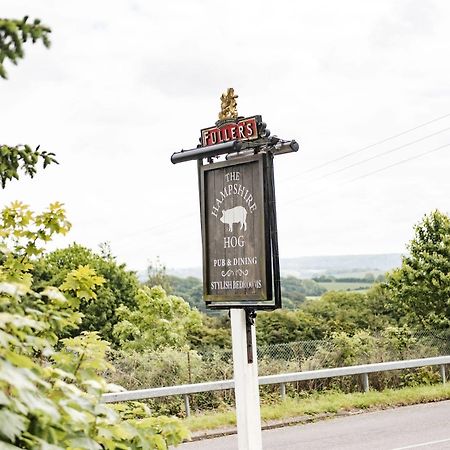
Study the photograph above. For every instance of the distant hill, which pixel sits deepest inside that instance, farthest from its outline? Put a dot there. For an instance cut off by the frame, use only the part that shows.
(340, 265)
(311, 266)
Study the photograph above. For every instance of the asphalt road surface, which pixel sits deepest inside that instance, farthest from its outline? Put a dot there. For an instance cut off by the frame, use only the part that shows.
(411, 427)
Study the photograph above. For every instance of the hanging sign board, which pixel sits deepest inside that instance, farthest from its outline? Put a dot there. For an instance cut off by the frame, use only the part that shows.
(237, 259)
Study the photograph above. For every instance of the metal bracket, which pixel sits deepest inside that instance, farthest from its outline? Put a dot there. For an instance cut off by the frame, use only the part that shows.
(250, 316)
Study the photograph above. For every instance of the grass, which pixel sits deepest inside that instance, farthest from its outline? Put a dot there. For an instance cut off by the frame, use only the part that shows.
(328, 402)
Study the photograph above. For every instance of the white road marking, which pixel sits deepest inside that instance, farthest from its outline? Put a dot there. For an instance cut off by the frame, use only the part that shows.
(422, 445)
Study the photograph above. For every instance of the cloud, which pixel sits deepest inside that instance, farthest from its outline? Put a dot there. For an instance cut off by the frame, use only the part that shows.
(406, 23)
(127, 83)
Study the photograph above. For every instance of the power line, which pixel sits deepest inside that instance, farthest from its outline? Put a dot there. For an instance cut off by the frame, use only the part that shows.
(398, 163)
(189, 216)
(370, 173)
(326, 163)
(339, 158)
(175, 220)
(379, 155)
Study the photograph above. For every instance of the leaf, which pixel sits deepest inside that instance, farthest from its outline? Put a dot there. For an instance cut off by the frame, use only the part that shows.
(18, 377)
(82, 281)
(55, 295)
(11, 424)
(75, 415)
(105, 411)
(6, 446)
(13, 288)
(4, 400)
(83, 443)
(125, 431)
(46, 446)
(38, 403)
(19, 360)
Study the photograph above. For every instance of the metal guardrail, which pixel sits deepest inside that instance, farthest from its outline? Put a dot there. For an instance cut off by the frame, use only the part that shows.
(282, 379)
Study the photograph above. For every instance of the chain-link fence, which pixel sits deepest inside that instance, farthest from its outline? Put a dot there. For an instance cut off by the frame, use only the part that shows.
(172, 367)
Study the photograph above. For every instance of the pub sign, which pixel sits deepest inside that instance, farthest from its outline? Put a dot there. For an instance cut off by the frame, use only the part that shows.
(237, 258)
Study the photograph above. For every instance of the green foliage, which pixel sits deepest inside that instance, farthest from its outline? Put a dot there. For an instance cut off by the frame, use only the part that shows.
(277, 327)
(391, 344)
(13, 33)
(159, 321)
(157, 276)
(421, 376)
(190, 289)
(294, 291)
(316, 319)
(353, 349)
(120, 286)
(213, 333)
(82, 282)
(51, 398)
(214, 329)
(50, 389)
(343, 311)
(12, 159)
(23, 235)
(394, 343)
(139, 370)
(418, 292)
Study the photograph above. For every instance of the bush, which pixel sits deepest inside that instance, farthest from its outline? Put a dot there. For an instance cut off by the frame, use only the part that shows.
(50, 388)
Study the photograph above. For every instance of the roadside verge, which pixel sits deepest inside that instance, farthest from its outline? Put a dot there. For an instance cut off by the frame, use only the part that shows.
(315, 407)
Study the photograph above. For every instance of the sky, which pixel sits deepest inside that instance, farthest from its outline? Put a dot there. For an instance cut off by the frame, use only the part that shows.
(363, 86)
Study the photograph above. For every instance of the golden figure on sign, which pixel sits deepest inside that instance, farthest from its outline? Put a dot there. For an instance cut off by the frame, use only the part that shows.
(228, 105)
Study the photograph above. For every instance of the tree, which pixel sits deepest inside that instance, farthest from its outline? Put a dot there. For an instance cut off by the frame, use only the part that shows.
(317, 319)
(295, 291)
(277, 327)
(213, 333)
(191, 289)
(159, 321)
(157, 276)
(50, 388)
(343, 311)
(120, 286)
(418, 292)
(23, 235)
(13, 33)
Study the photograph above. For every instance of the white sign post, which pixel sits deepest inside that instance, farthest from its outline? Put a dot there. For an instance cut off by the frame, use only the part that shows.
(246, 386)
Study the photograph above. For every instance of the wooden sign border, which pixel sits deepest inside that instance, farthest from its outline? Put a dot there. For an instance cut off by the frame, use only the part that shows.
(272, 296)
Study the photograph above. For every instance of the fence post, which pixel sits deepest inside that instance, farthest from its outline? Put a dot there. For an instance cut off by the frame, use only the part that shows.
(442, 372)
(189, 367)
(283, 390)
(187, 407)
(365, 381)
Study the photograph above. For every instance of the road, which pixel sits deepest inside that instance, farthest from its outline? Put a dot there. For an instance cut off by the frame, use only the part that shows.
(411, 427)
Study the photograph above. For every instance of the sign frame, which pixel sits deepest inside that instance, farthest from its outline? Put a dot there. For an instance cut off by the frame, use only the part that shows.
(271, 294)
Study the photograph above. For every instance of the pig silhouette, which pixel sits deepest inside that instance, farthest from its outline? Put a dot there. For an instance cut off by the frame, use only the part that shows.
(238, 214)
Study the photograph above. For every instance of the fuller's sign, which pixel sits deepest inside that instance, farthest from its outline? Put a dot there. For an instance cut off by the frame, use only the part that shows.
(244, 129)
(236, 230)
